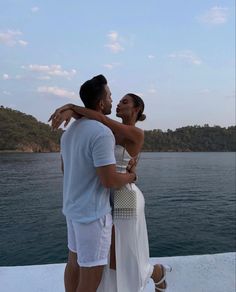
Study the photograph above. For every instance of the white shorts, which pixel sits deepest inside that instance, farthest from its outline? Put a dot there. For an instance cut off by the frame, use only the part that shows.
(91, 241)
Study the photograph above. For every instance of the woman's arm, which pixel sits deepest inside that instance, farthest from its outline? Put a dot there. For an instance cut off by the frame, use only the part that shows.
(131, 133)
(66, 112)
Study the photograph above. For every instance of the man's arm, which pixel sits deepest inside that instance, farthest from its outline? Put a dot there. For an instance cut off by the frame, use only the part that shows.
(111, 179)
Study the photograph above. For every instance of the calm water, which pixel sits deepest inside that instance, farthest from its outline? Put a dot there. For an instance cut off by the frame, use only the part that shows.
(190, 205)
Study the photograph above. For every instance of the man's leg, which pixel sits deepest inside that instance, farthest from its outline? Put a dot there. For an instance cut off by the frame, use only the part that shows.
(93, 241)
(72, 273)
(90, 279)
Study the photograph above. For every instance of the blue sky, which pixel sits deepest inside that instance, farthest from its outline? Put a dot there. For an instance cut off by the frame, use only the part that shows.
(178, 55)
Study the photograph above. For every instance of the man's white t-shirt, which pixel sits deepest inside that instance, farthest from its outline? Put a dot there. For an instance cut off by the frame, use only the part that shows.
(87, 144)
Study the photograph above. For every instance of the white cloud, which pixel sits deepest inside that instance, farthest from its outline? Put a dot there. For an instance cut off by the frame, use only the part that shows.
(35, 9)
(44, 78)
(111, 66)
(61, 92)
(18, 77)
(6, 92)
(37, 68)
(108, 66)
(205, 91)
(188, 56)
(11, 38)
(23, 43)
(113, 36)
(152, 91)
(50, 70)
(114, 42)
(215, 15)
(5, 77)
(151, 56)
(115, 47)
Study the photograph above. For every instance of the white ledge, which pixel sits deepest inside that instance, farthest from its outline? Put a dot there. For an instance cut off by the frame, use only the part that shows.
(199, 273)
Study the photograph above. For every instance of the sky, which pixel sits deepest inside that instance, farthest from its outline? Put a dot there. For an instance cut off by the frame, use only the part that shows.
(178, 55)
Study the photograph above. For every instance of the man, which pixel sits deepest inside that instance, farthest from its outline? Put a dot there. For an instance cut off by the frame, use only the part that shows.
(87, 149)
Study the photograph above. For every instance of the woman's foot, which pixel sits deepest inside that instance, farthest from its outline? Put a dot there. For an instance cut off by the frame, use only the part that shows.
(159, 276)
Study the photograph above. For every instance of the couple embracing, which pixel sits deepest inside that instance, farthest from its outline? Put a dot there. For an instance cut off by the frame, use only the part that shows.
(99, 155)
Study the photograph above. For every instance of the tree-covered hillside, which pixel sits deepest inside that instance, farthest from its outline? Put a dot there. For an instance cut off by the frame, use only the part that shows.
(192, 138)
(22, 132)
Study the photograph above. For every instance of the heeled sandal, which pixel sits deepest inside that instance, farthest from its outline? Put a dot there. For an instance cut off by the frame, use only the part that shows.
(164, 268)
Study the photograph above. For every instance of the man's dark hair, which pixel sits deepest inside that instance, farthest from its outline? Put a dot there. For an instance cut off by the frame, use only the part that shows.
(91, 92)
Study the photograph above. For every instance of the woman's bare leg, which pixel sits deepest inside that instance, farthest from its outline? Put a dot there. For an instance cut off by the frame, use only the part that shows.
(157, 275)
(113, 250)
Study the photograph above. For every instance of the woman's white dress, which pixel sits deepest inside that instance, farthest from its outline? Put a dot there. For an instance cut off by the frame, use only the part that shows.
(133, 269)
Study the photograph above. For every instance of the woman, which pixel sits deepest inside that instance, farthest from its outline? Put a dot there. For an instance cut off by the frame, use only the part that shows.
(130, 250)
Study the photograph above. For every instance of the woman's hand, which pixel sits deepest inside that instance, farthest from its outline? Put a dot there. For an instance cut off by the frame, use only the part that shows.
(60, 110)
(64, 113)
(131, 167)
(59, 117)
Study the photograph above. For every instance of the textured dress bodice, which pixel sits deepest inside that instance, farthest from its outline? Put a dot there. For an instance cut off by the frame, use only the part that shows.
(122, 158)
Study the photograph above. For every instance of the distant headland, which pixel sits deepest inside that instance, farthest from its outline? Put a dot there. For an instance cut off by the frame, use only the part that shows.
(20, 132)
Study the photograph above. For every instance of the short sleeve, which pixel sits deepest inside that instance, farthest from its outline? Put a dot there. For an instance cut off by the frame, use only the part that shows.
(103, 150)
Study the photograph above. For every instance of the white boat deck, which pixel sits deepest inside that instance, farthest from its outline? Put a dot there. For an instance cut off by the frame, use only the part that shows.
(201, 273)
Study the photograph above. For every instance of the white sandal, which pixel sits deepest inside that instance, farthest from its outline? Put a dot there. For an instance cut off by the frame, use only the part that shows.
(164, 268)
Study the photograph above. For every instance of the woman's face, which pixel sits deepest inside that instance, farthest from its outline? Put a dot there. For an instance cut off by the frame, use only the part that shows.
(125, 107)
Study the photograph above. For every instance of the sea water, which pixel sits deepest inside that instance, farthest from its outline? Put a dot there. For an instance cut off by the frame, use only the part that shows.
(190, 205)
